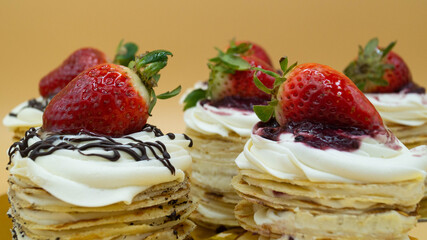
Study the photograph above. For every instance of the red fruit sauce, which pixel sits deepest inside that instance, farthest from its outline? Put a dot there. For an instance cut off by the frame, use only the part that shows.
(317, 135)
(236, 102)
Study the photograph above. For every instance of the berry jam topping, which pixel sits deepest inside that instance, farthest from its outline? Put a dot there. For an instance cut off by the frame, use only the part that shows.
(412, 87)
(316, 135)
(240, 103)
(137, 149)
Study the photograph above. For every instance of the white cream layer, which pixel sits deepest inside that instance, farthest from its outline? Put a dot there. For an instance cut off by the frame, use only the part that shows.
(26, 116)
(92, 181)
(373, 162)
(210, 120)
(408, 109)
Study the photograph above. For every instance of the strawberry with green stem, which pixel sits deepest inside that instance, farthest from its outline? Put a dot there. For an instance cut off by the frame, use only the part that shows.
(378, 70)
(231, 76)
(317, 93)
(109, 99)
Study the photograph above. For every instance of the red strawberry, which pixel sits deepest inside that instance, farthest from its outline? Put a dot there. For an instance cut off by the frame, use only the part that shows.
(76, 63)
(108, 99)
(240, 83)
(257, 51)
(317, 93)
(231, 77)
(378, 70)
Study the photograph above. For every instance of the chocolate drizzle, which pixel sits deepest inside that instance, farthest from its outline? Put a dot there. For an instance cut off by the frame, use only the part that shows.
(34, 103)
(137, 149)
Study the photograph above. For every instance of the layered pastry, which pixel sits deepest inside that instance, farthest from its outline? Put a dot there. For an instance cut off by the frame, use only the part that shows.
(387, 81)
(29, 113)
(96, 170)
(324, 166)
(219, 118)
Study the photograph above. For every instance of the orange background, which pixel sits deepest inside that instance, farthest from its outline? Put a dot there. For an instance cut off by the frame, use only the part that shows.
(36, 36)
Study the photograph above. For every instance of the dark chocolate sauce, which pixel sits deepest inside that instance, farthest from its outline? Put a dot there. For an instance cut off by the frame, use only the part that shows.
(236, 102)
(317, 135)
(188, 138)
(136, 149)
(34, 103)
(151, 128)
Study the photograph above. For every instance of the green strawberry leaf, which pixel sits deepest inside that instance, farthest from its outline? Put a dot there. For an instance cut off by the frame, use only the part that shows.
(386, 50)
(379, 81)
(261, 85)
(290, 68)
(125, 53)
(238, 49)
(193, 97)
(264, 113)
(235, 62)
(152, 57)
(170, 94)
(284, 63)
(278, 81)
(271, 73)
(371, 47)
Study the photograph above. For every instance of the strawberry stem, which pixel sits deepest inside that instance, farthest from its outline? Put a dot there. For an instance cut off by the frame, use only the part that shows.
(125, 53)
(147, 67)
(264, 113)
(369, 67)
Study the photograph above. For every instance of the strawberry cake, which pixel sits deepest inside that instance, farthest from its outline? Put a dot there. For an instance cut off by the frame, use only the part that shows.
(29, 114)
(387, 82)
(322, 165)
(96, 169)
(219, 118)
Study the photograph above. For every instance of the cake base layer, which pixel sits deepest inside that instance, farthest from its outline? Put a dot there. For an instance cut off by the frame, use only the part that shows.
(212, 171)
(310, 225)
(159, 212)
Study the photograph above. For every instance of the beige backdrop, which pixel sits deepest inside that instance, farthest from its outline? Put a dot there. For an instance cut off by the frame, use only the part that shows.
(37, 35)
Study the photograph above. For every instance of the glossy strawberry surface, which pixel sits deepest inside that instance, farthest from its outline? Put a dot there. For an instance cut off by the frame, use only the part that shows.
(76, 63)
(102, 100)
(319, 94)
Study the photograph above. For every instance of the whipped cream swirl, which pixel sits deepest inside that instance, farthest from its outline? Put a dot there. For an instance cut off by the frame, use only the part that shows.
(408, 109)
(27, 114)
(374, 162)
(210, 120)
(80, 171)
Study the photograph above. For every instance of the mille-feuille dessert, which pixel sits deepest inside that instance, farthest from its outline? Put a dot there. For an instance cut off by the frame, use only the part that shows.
(29, 113)
(323, 165)
(387, 82)
(219, 118)
(95, 169)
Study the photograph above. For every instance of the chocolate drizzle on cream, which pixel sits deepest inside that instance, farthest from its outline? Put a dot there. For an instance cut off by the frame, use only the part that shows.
(137, 149)
(36, 104)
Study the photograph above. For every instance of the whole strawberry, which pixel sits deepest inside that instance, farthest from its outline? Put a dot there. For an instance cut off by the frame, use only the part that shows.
(108, 99)
(79, 61)
(257, 51)
(319, 94)
(76, 63)
(378, 70)
(231, 76)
